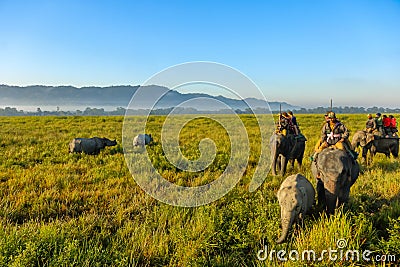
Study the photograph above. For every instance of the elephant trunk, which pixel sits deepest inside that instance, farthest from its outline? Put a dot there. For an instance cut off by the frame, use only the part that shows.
(284, 161)
(354, 144)
(274, 158)
(287, 218)
(331, 202)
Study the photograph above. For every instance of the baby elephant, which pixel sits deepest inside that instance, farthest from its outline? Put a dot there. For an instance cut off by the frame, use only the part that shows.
(296, 196)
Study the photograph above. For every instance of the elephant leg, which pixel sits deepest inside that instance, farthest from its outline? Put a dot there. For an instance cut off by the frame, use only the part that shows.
(273, 167)
(395, 150)
(364, 155)
(292, 163)
(274, 161)
(279, 163)
(372, 154)
(284, 161)
(321, 194)
(300, 161)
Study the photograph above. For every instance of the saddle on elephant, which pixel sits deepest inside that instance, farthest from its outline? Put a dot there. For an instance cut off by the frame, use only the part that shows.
(376, 135)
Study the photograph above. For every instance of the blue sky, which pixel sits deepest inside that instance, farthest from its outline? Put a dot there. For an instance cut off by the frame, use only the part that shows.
(301, 52)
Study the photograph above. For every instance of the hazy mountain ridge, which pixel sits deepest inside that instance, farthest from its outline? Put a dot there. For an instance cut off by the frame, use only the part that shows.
(118, 96)
(59, 95)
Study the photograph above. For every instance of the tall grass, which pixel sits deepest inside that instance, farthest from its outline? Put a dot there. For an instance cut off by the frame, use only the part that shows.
(61, 209)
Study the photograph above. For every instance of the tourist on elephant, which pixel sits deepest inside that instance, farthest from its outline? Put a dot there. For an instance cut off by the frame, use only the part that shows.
(393, 125)
(334, 133)
(386, 126)
(379, 123)
(286, 125)
(294, 122)
(326, 117)
(318, 144)
(370, 125)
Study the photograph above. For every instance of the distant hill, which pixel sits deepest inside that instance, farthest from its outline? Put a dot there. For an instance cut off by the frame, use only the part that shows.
(117, 96)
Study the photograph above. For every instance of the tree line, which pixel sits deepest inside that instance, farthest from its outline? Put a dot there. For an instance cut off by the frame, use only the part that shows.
(10, 111)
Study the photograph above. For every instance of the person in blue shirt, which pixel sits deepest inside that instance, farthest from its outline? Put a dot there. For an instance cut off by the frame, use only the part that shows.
(294, 122)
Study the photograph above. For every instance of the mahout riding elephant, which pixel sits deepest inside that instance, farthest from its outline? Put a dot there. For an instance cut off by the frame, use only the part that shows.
(335, 172)
(284, 149)
(296, 196)
(91, 146)
(375, 144)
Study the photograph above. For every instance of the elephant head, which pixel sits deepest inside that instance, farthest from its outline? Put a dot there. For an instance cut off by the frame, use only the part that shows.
(285, 148)
(296, 196)
(291, 204)
(337, 172)
(279, 150)
(359, 138)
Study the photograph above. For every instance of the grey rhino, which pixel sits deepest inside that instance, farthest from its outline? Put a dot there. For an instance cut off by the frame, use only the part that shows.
(91, 146)
(335, 172)
(375, 144)
(142, 140)
(284, 149)
(296, 197)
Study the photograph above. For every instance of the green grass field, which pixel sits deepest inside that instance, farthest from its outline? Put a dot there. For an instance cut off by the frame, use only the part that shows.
(61, 209)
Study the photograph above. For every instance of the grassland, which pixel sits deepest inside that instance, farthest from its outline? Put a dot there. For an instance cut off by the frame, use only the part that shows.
(61, 209)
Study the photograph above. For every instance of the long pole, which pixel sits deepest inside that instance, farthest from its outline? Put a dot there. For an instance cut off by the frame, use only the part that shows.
(280, 115)
(331, 105)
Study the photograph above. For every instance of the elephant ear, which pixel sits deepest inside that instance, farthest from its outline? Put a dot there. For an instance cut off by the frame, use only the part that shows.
(363, 141)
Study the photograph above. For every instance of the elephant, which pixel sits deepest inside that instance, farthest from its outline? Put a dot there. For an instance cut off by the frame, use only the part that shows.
(375, 144)
(284, 149)
(296, 196)
(335, 172)
(142, 140)
(91, 146)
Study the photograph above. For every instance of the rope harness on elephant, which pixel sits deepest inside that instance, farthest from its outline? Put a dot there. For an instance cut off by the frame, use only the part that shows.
(331, 136)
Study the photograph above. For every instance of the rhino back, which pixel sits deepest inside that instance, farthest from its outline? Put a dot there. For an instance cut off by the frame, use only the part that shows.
(88, 146)
(100, 144)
